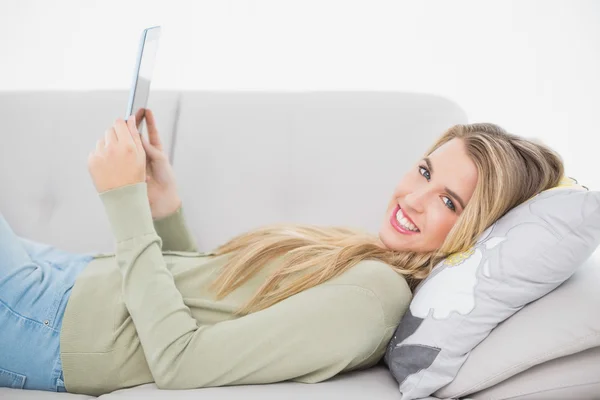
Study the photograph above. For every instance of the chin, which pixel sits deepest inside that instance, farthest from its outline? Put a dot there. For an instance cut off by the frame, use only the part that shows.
(390, 241)
(381, 243)
(389, 245)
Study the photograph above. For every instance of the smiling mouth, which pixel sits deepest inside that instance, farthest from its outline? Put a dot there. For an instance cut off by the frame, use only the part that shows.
(399, 227)
(408, 218)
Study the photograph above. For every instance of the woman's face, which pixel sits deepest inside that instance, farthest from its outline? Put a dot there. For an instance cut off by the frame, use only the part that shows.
(430, 197)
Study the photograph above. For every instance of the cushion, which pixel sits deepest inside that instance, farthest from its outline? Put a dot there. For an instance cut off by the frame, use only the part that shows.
(571, 377)
(560, 327)
(523, 256)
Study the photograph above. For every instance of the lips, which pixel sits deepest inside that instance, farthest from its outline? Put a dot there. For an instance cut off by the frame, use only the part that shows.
(397, 225)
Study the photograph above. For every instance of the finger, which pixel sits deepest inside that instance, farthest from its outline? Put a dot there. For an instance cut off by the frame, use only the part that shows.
(110, 136)
(139, 115)
(152, 131)
(123, 133)
(134, 134)
(100, 144)
(147, 146)
(151, 151)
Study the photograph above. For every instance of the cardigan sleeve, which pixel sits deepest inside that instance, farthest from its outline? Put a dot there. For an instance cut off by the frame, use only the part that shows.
(308, 337)
(174, 232)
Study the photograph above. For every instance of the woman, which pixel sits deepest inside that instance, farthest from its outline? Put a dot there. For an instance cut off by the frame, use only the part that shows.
(283, 302)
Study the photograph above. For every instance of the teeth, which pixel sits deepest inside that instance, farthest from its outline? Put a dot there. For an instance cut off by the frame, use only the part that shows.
(404, 222)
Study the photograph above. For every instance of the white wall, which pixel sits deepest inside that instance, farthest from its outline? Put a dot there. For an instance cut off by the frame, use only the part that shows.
(530, 66)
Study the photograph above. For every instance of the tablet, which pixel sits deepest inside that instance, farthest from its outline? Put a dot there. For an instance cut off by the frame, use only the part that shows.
(142, 74)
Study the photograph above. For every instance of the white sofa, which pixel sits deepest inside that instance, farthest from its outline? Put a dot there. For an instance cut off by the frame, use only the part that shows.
(312, 157)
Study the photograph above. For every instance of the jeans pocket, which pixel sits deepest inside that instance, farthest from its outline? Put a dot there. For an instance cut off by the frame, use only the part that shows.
(11, 379)
(60, 384)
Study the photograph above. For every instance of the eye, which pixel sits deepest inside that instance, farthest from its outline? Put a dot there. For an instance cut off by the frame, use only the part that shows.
(449, 204)
(425, 172)
(421, 169)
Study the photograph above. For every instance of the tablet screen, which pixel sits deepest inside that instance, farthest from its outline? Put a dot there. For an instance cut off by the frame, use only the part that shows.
(140, 91)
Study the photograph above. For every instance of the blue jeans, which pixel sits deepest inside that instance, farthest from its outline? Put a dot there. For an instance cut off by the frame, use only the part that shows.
(35, 283)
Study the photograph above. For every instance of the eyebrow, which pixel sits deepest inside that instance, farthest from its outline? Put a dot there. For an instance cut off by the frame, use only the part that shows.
(452, 193)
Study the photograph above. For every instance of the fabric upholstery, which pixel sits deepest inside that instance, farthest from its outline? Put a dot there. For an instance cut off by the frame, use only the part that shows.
(46, 193)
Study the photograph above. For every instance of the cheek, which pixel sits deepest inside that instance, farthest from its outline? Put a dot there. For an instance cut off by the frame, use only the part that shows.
(440, 222)
(399, 191)
(407, 184)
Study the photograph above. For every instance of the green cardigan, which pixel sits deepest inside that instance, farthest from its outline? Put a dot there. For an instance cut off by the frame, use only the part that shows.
(144, 314)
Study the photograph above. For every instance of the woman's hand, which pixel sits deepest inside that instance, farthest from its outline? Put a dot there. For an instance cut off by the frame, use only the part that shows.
(119, 158)
(160, 177)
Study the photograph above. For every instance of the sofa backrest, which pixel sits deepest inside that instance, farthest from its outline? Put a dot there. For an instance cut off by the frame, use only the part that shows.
(243, 159)
(46, 193)
(248, 159)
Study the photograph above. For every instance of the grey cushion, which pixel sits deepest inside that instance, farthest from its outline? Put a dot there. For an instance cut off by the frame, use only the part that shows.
(523, 256)
(553, 333)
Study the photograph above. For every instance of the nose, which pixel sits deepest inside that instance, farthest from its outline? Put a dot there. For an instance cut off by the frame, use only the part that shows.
(415, 200)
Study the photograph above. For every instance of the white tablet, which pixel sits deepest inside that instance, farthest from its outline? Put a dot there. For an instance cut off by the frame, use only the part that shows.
(142, 74)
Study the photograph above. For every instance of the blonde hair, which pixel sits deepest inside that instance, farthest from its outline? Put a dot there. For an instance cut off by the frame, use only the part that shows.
(511, 170)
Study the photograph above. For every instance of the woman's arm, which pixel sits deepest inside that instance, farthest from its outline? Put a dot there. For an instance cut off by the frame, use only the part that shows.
(174, 232)
(160, 176)
(308, 337)
(163, 196)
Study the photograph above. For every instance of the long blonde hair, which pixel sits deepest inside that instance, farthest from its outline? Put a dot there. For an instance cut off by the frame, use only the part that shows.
(511, 170)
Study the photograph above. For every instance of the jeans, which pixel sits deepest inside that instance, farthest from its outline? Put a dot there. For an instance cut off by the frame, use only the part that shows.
(35, 283)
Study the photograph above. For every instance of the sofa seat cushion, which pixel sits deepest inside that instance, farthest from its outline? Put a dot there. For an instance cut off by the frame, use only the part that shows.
(373, 383)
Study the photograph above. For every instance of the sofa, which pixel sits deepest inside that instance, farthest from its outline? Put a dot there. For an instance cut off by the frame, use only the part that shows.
(311, 157)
